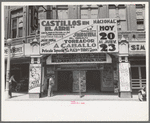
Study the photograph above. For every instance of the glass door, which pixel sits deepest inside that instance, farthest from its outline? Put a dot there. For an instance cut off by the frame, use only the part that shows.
(79, 77)
(138, 76)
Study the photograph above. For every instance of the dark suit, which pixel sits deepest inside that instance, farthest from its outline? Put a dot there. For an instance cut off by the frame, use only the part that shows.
(50, 87)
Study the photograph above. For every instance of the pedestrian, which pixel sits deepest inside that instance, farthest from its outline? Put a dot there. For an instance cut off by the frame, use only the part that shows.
(50, 86)
(12, 83)
(70, 82)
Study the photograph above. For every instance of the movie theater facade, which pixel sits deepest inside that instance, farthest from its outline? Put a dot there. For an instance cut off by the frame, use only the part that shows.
(87, 55)
(82, 55)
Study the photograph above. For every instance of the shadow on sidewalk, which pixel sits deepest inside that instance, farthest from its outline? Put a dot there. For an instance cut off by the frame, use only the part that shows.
(82, 94)
(18, 94)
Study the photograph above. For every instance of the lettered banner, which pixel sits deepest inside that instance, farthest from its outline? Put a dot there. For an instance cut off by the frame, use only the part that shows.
(134, 46)
(78, 36)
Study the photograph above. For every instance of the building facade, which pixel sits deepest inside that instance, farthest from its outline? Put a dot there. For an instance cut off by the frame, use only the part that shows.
(122, 71)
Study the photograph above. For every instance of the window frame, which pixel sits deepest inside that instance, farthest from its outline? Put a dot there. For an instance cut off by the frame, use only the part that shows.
(122, 6)
(63, 8)
(15, 15)
(89, 8)
(140, 18)
(138, 83)
(30, 30)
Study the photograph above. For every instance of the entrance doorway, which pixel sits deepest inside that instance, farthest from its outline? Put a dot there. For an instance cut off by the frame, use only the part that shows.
(138, 76)
(93, 80)
(65, 81)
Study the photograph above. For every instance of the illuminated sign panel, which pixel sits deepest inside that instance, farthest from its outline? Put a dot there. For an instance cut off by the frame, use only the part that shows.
(78, 58)
(16, 51)
(78, 36)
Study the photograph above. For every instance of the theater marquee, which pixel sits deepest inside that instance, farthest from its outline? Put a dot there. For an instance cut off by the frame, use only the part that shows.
(78, 36)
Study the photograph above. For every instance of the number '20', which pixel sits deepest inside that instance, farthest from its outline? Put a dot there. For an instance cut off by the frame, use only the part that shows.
(105, 36)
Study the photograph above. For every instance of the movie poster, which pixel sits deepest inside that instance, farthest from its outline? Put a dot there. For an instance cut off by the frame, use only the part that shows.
(79, 76)
(35, 78)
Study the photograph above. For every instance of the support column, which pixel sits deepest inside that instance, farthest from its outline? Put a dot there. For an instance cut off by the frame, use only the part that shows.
(8, 73)
(35, 77)
(35, 70)
(124, 74)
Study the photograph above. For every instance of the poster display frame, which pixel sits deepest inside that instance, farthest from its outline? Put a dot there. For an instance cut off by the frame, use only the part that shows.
(36, 86)
(122, 85)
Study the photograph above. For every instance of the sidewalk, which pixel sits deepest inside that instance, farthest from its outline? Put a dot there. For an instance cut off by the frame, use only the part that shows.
(73, 97)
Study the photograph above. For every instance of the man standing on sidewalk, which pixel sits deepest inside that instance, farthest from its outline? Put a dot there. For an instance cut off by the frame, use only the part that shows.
(11, 85)
(50, 86)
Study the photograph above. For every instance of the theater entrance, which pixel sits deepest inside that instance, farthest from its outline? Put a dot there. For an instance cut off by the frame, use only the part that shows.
(65, 81)
(93, 81)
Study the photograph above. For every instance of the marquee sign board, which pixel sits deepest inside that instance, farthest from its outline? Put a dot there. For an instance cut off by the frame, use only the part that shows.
(78, 36)
(16, 51)
(137, 46)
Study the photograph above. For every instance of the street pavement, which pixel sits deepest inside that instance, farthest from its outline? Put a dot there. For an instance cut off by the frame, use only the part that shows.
(73, 97)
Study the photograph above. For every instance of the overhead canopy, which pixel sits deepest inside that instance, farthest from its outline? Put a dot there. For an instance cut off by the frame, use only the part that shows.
(79, 58)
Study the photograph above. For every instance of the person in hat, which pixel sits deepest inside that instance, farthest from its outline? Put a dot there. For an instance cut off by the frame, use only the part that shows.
(12, 83)
(50, 86)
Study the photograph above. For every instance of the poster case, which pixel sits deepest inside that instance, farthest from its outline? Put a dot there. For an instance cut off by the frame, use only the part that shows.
(35, 78)
(124, 75)
(79, 76)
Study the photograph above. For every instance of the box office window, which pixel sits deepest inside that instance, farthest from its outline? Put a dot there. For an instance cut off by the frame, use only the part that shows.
(17, 23)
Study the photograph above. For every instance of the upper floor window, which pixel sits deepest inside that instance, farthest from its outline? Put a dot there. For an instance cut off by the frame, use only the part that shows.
(17, 23)
(140, 24)
(119, 12)
(140, 15)
(122, 17)
(89, 12)
(32, 19)
(41, 15)
(62, 12)
(112, 11)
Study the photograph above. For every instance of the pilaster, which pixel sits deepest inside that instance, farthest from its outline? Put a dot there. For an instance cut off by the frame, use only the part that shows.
(124, 66)
(35, 71)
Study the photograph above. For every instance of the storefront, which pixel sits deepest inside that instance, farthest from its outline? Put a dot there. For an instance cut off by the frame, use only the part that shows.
(93, 70)
(80, 55)
(137, 58)
(19, 67)
(86, 51)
